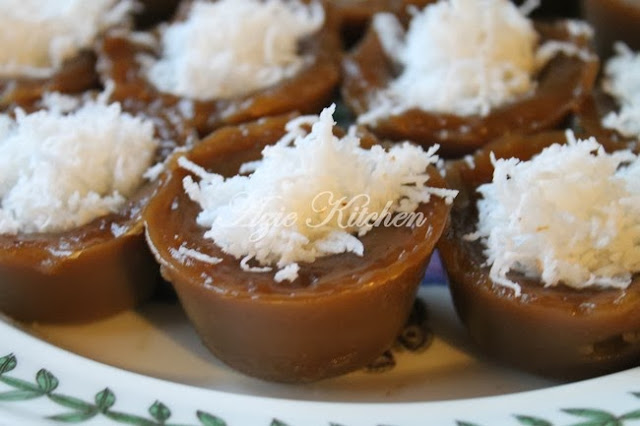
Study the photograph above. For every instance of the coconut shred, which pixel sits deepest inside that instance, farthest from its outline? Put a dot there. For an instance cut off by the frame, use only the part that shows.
(38, 36)
(462, 57)
(568, 216)
(229, 48)
(60, 170)
(300, 179)
(622, 82)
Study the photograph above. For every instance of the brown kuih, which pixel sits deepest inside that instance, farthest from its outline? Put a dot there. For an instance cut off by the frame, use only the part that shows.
(556, 331)
(595, 108)
(78, 275)
(75, 76)
(613, 20)
(589, 117)
(561, 86)
(308, 91)
(339, 315)
(355, 15)
(85, 273)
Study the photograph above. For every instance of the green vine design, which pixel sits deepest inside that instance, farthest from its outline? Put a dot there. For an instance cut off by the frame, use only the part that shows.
(79, 410)
(588, 416)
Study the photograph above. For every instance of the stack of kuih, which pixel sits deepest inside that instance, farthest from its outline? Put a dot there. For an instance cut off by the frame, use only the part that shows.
(195, 142)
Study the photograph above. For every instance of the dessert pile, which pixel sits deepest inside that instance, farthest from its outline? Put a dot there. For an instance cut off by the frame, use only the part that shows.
(289, 168)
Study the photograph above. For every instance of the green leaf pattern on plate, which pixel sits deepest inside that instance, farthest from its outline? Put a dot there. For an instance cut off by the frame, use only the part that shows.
(590, 416)
(105, 400)
(46, 383)
(208, 420)
(19, 395)
(532, 421)
(7, 363)
(160, 412)
(81, 411)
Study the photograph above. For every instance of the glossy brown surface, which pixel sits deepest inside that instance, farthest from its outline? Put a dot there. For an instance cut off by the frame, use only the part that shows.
(308, 91)
(85, 273)
(339, 315)
(554, 331)
(75, 76)
(561, 86)
(78, 275)
(355, 15)
(589, 117)
(613, 20)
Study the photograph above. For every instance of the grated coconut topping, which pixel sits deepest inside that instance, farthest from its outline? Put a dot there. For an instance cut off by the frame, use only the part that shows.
(284, 212)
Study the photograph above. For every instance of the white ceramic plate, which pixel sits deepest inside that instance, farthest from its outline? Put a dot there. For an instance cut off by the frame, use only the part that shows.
(147, 367)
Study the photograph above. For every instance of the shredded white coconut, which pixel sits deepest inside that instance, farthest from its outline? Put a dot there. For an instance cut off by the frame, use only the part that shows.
(37, 36)
(461, 57)
(470, 161)
(229, 48)
(183, 253)
(578, 28)
(62, 170)
(570, 215)
(529, 6)
(154, 172)
(304, 197)
(551, 48)
(622, 81)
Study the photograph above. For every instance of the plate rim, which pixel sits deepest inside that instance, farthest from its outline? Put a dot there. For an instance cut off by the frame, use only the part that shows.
(616, 396)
